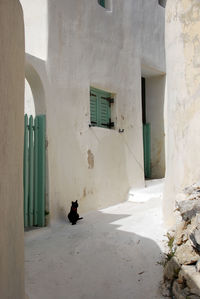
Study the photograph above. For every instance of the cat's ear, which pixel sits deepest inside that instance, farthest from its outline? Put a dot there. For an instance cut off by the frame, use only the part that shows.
(72, 202)
(76, 201)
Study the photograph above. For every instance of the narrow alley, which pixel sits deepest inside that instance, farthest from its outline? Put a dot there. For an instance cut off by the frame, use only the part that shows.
(113, 253)
(98, 97)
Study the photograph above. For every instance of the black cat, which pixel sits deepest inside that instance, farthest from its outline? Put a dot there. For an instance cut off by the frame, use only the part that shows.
(73, 216)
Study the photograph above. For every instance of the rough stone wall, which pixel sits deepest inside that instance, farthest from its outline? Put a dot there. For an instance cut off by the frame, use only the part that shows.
(182, 267)
(11, 150)
(183, 101)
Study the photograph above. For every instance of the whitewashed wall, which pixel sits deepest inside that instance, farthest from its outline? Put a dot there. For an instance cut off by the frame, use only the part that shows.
(89, 46)
(11, 150)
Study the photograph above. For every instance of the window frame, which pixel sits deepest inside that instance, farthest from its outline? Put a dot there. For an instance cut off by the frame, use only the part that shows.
(100, 108)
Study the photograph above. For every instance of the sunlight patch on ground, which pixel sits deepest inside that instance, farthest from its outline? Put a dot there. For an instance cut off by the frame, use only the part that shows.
(144, 212)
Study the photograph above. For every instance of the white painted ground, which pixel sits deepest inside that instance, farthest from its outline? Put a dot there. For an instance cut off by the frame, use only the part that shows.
(113, 254)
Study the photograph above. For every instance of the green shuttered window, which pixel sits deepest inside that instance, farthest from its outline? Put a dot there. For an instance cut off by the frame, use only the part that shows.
(100, 108)
(102, 3)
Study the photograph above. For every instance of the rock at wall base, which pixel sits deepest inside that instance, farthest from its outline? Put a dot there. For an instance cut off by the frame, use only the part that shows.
(186, 255)
(179, 292)
(191, 277)
(171, 269)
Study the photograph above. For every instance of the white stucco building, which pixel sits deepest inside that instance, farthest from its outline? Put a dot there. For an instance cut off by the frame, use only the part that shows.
(72, 46)
(75, 48)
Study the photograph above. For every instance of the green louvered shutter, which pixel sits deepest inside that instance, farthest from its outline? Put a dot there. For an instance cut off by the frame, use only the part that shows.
(104, 111)
(100, 108)
(93, 108)
(147, 150)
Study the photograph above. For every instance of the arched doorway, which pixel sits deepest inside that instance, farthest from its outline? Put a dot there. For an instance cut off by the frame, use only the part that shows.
(35, 166)
(29, 104)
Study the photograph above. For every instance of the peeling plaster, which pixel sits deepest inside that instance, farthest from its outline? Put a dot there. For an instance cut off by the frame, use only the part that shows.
(90, 159)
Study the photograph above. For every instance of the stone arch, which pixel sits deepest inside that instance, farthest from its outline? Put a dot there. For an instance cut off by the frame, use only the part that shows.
(37, 88)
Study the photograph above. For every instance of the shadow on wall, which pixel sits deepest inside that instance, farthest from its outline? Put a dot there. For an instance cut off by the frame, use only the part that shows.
(155, 93)
(37, 88)
(93, 259)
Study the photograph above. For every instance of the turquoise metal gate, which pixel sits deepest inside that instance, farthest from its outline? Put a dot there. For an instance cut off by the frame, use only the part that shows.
(34, 170)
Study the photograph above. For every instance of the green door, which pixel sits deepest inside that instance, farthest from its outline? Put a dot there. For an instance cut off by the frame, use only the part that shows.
(146, 133)
(34, 170)
(147, 150)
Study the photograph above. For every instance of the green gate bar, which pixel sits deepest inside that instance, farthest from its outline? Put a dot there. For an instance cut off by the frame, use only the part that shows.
(35, 221)
(41, 169)
(31, 169)
(26, 176)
